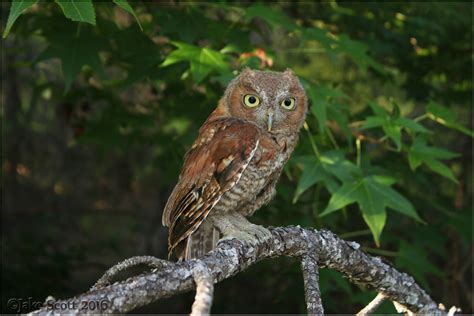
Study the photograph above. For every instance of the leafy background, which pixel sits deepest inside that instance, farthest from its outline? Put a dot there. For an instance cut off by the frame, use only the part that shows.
(102, 99)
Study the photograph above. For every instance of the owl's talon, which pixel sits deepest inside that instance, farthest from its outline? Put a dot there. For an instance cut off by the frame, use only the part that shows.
(250, 234)
(241, 236)
(261, 233)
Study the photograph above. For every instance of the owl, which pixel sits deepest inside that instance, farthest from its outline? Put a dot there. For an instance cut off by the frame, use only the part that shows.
(235, 162)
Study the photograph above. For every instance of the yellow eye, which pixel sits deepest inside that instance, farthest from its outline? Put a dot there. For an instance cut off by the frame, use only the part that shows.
(288, 103)
(251, 101)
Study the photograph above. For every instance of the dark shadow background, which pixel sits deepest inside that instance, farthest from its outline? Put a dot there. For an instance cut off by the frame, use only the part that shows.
(86, 172)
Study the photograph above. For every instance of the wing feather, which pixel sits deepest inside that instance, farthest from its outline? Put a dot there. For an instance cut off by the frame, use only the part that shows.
(215, 163)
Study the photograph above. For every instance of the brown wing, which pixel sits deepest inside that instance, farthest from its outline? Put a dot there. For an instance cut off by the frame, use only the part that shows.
(214, 164)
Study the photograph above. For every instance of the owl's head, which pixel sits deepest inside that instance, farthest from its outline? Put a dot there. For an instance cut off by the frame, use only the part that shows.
(275, 101)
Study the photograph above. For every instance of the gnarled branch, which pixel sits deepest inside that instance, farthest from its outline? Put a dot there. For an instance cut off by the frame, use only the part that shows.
(316, 249)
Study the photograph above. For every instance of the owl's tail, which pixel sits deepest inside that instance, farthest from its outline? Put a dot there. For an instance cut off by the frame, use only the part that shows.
(199, 243)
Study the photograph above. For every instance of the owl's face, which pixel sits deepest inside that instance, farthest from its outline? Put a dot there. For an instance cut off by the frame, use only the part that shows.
(275, 101)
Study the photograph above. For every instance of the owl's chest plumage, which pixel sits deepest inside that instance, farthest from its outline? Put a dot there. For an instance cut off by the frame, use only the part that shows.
(258, 178)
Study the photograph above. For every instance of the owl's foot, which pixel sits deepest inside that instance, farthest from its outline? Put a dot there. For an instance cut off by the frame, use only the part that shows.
(238, 227)
(259, 232)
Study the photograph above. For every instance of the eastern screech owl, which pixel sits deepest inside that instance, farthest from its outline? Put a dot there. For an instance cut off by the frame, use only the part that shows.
(234, 164)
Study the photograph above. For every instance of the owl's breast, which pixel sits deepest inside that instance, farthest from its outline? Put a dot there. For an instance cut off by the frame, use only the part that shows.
(263, 170)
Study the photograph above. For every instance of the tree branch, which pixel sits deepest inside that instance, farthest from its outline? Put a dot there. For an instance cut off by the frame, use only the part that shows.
(309, 265)
(204, 290)
(372, 306)
(106, 279)
(232, 256)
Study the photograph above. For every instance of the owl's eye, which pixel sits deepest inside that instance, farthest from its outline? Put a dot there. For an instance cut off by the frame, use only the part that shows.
(288, 103)
(251, 100)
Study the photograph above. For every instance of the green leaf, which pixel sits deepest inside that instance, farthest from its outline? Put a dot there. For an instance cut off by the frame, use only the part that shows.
(384, 179)
(230, 48)
(340, 114)
(395, 110)
(432, 152)
(378, 110)
(412, 125)
(444, 116)
(414, 160)
(202, 60)
(440, 168)
(440, 112)
(322, 98)
(309, 177)
(373, 209)
(413, 258)
(272, 16)
(421, 153)
(79, 11)
(357, 50)
(392, 198)
(375, 219)
(373, 197)
(336, 164)
(394, 132)
(319, 110)
(345, 195)
(16, 9)
(74, 52)
(373, 121)
(127, 7)
(321, 36)
(313, 172)
(392, 125)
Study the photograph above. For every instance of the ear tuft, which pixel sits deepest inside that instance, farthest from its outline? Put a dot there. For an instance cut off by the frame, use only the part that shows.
(247, 71)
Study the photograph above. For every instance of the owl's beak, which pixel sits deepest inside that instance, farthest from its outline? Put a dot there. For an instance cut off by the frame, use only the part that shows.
(270, 121)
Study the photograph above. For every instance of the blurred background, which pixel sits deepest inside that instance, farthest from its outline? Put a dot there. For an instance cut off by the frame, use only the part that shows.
(100, 103)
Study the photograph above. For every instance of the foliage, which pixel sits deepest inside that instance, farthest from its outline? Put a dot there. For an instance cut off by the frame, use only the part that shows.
(385, 147)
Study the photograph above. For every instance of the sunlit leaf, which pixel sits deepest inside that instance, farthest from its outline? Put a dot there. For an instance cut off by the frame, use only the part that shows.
(373, 197)
(345, 195)
(16, 9)
(203, 60)
(336, 164)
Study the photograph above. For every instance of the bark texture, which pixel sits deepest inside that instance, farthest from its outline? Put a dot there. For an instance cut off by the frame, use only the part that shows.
(316, 249)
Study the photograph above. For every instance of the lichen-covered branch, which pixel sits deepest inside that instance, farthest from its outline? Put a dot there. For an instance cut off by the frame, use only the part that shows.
(106, 279)
(310, 269)
(309, 266)
(204, 291)
(232, 256)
